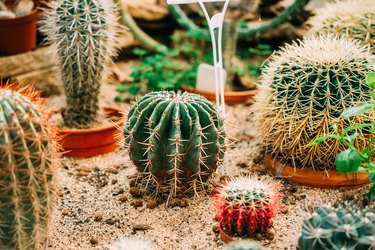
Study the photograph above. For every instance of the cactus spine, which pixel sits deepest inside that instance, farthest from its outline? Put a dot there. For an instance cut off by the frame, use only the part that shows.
(27, 153)
(130, 244)
(83, 34)
(339, 226)
(305, 88)
(246, 206)
(350, 18)
(177, 139)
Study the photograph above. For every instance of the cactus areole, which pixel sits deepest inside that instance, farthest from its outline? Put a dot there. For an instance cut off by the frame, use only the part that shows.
(176, 138)
(27, 155)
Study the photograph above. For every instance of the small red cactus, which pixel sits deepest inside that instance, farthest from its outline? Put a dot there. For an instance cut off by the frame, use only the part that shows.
(246, 205)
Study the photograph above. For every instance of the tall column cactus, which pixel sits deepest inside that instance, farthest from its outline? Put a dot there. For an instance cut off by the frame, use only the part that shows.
(177, 139)
(83, 34)
(27, 161)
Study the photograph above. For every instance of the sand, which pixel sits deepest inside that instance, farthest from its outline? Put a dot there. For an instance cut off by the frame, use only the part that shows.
(94, 208)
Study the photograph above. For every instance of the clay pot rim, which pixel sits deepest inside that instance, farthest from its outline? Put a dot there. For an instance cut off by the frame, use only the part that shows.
(94, 130)
(318, 179)
(244, 93)
(224, 236)
(21, 19)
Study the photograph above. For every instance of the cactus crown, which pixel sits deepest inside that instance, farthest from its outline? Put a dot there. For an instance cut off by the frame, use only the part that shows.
(306, 87)
(177, 139)
(339, 226)
(130, 244)
(27, 161)
(243, 245)
(83, 35)
(246, 205)
(349, 18)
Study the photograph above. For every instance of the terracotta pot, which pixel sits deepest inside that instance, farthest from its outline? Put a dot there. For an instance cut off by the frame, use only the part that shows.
(18, 34)
(225, 237)
(93, 141)
(317, 179)
(231, 97)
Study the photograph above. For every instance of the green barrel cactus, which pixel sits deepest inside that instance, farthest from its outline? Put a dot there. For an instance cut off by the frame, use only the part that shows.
(83, 35)
(244, 245)
(350, 18)
(339, 226)
(27, 153)
(304, 90)
(178, 139)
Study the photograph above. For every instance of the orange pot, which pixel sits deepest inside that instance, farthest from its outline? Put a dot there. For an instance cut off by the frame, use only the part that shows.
(231, 97)
(18, 35)
(225, 237)
(317, 179)
(93, 141)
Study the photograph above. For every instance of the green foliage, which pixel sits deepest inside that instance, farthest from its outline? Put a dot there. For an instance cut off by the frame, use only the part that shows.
(176, 139)
(27, 152)
(341, 226)
(83, 35)
(353, 159)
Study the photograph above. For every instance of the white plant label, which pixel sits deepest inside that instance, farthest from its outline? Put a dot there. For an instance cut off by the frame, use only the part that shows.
(215, 24)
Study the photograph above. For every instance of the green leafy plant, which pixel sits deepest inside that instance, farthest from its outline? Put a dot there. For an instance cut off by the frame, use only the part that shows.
(352, 159)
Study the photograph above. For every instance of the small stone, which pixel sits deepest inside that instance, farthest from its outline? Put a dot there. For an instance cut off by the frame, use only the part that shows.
(216, 229)
(123, 198)
(284, 210)
(114, 181)
(242, 165)
(303, 196)
(159, 199)
(59, 194)
(151, 204)
(136, 192)
(141, 227)
(258, 236)
(270, 234)
(110, 221)
(132, 183)
(183, 202)
(136, 203)
(65, 211)
(94, 240)
(83, 173)
(98, 217)
(173, 202)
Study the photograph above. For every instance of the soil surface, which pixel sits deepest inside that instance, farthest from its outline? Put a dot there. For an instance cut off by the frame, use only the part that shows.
(95, 208)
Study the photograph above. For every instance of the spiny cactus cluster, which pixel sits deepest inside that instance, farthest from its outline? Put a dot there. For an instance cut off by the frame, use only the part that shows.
(243, 245)
(350, 18)
(246, 206)
(130, 244)
(339, 226)
(176, 139)
(27, 161)
(83, 34)
(304, 90)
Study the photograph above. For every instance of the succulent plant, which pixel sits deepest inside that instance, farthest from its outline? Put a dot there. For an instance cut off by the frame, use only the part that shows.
(339, 226)
(305, 88)
(130, 244)
(246, 206)
(243, 245)
(350, 18)
(83, 34)
(177, 139)
(27, 162)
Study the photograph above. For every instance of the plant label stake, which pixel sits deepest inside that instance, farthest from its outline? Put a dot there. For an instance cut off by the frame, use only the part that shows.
(215, 24)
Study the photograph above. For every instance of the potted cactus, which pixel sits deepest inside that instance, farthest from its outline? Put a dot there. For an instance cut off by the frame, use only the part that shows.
(304, 91)
(27, 161)
(83, 35)
(18, 25)
(246, 207)
(338, 226)
(176, 141)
